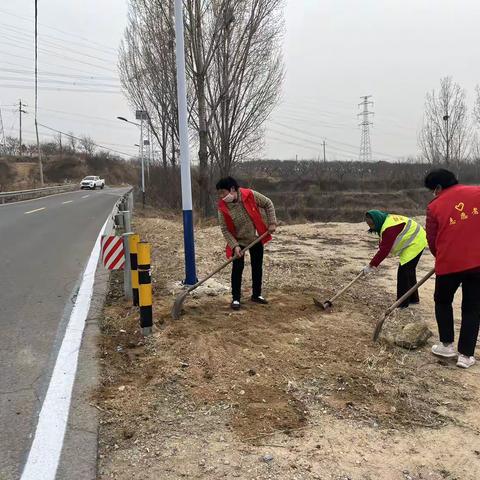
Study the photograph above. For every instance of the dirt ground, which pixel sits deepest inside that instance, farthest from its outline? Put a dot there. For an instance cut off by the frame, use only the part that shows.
(284, 391)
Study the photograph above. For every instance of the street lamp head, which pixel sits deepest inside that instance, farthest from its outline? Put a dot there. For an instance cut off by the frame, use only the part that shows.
(123, 119)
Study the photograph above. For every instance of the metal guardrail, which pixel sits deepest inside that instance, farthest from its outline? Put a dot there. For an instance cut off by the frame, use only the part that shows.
(7, 197)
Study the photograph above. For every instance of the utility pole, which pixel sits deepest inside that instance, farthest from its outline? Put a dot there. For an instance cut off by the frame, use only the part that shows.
(187, 204)
(324, 154)
(365, 145)
(39, 150)
(150, 152)
(445, 119)
(2, 135)
(142, 115)
(20, 111)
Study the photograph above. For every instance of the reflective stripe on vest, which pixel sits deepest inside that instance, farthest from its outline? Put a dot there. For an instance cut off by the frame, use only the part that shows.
(412, 235)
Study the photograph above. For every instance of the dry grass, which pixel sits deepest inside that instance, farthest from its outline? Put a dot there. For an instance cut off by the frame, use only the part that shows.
(263, 375)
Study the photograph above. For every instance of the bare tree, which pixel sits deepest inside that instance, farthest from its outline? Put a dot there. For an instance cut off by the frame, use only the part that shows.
(88, 145)
(11, 145)
(147, 70)
(476, 106)
(72, 142)
(445, 135)
(246, 78)
(234, 72)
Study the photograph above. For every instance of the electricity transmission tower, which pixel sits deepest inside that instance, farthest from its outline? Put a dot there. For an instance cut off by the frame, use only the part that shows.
(365, 144)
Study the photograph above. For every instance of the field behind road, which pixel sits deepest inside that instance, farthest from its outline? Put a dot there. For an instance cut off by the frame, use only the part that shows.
(284, 391)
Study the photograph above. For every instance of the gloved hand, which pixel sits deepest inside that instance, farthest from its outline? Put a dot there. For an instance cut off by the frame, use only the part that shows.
(367, 270)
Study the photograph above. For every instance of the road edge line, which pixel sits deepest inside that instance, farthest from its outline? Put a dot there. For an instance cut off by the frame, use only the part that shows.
(44, 455)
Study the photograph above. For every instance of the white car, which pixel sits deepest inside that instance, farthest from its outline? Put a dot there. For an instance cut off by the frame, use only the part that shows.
(92, 183)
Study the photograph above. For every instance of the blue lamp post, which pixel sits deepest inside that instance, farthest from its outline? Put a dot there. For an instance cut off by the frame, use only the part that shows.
(188, 236)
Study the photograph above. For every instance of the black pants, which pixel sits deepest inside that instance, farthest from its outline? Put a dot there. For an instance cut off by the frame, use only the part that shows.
(256, 258)
(445, 288)
(406, 279)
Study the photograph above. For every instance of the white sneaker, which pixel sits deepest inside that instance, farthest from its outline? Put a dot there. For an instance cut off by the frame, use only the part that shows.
(444, 350)
(464, 361)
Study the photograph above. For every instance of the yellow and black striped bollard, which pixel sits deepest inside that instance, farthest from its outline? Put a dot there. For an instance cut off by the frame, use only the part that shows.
(145, 288)
(134, 241)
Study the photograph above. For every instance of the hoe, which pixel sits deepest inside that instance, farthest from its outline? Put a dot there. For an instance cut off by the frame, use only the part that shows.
(379, 325)
(329, 303)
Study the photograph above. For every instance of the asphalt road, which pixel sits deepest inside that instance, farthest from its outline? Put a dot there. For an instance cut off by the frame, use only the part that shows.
(45, 245)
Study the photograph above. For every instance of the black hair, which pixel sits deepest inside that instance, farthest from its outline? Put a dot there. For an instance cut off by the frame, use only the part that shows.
(227, 183)
(440, 177)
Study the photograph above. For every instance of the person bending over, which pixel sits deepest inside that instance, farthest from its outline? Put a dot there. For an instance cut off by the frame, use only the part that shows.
(402, 237)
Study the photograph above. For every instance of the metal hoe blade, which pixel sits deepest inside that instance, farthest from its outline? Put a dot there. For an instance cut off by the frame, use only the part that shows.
(378, 327)
(323, 305)
(177, 306)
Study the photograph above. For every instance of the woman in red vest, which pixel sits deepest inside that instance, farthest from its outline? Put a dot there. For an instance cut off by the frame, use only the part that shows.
(453, 234)
(241, 222)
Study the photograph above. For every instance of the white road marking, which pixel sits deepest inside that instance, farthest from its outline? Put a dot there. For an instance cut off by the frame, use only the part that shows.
(68, 201)
(36, 210)
(85, 196)
(44, 455)
(9, 204)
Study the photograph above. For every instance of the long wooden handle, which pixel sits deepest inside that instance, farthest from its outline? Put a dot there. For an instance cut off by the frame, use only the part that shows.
(230, 260)
(344, 289)
(413, 289)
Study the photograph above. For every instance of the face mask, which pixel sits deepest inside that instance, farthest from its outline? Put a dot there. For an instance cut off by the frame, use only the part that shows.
(228, 198)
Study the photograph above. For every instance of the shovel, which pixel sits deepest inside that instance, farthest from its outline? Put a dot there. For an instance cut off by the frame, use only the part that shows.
(329, 303)
(379, 325)
(177, 306)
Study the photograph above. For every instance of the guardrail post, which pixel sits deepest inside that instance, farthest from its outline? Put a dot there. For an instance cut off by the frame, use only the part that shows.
(134, 239)
(145, 288)
(127, 223)
(119, 225)
(130, 202)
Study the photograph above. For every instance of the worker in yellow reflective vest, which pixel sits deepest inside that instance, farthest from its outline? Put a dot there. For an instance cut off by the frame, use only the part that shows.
(399, 236)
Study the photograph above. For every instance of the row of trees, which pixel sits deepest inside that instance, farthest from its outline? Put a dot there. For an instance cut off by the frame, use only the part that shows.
(234, 73)
(450, 134)
(68, 144)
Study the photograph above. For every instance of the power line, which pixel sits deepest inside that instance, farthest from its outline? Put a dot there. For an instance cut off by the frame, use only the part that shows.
(58, 55)
(56, 65)
(61, 82)
(20, 37)
(63, 32)
(330, 140)
(57, 74)
(57, 89)
(80, 139)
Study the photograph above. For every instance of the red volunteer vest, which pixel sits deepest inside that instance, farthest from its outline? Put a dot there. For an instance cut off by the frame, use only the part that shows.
(251, 207)
(457, 212)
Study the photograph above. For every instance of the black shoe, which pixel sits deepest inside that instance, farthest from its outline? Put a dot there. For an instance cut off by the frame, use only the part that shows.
(235, 305)
(259, 299)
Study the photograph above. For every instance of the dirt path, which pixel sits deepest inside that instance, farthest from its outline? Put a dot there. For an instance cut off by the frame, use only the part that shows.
(284, 391)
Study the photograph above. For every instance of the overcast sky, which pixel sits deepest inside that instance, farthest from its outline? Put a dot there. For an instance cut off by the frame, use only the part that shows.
(335, 52)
